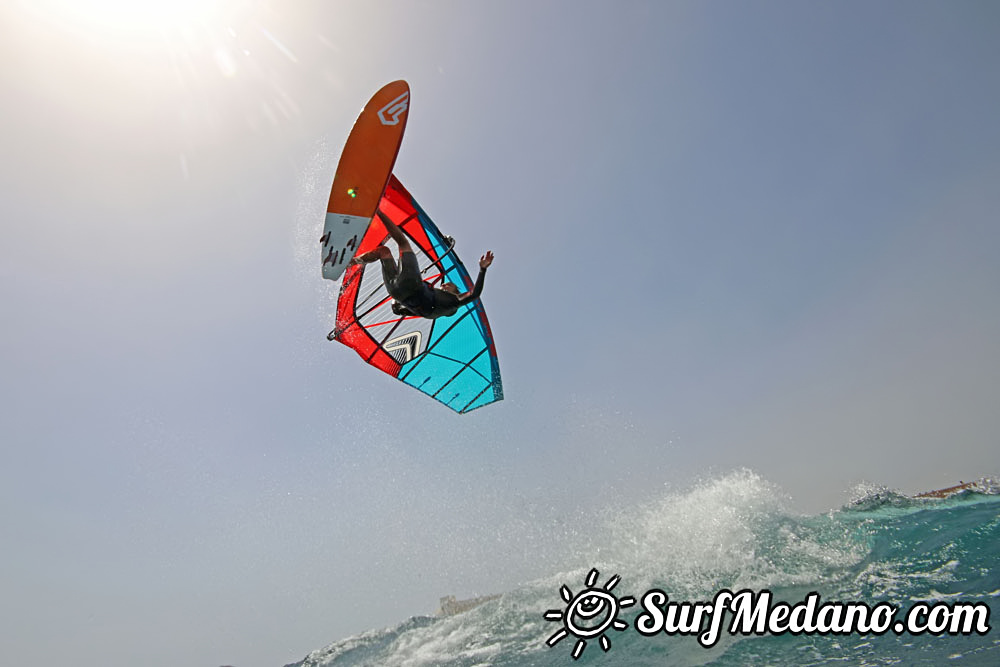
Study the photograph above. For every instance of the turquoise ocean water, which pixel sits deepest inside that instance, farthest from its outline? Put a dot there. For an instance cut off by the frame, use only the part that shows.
(733, 533)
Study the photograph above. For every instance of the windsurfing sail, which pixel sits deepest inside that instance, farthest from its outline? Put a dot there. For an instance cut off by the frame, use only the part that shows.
(451, 359)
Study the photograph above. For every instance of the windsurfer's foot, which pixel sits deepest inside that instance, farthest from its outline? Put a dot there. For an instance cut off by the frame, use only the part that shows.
(367, 257)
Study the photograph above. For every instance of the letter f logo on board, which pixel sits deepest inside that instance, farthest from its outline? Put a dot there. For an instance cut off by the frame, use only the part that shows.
(391, 112)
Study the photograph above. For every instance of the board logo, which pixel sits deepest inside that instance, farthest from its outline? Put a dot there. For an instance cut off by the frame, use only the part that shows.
(405, 347)
(589, 613)
(393, 111)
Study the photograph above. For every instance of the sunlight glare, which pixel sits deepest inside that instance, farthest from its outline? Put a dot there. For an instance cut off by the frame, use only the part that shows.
(113, 16)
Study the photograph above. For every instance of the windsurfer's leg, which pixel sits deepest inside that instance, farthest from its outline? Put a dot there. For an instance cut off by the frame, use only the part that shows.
(396, 233)
(408, 282)
(390, 272)
(379, 253)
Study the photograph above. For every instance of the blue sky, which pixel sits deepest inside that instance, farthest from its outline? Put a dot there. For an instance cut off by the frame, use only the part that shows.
(727, 235)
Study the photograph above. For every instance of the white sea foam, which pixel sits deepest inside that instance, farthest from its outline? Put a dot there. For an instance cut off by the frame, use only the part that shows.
(733, 531)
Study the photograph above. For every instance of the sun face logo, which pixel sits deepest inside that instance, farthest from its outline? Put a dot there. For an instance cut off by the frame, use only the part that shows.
(589, 613)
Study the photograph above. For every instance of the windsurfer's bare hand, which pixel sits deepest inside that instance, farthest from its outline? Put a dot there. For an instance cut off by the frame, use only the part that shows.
(486, 259)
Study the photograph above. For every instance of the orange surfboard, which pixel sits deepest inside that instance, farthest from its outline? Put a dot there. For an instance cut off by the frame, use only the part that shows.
(362, 174)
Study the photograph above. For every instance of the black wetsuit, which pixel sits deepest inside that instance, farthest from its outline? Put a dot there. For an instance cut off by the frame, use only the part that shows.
(415, 297)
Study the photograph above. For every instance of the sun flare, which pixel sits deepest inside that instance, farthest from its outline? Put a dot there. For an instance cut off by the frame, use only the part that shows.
(196, 37)
(122, 16)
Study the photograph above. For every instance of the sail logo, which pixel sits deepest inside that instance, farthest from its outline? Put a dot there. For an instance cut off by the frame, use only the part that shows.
(393, 111)
(593, 611)
(589, 614)
(405, 347)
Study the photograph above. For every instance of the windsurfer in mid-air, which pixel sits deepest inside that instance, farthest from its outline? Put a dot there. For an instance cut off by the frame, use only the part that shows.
(403, 282)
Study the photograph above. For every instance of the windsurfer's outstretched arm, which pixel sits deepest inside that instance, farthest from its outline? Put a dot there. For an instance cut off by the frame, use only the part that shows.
(484, 263)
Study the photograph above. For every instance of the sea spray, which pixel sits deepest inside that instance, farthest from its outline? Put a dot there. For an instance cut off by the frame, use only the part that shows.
(732, 533)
